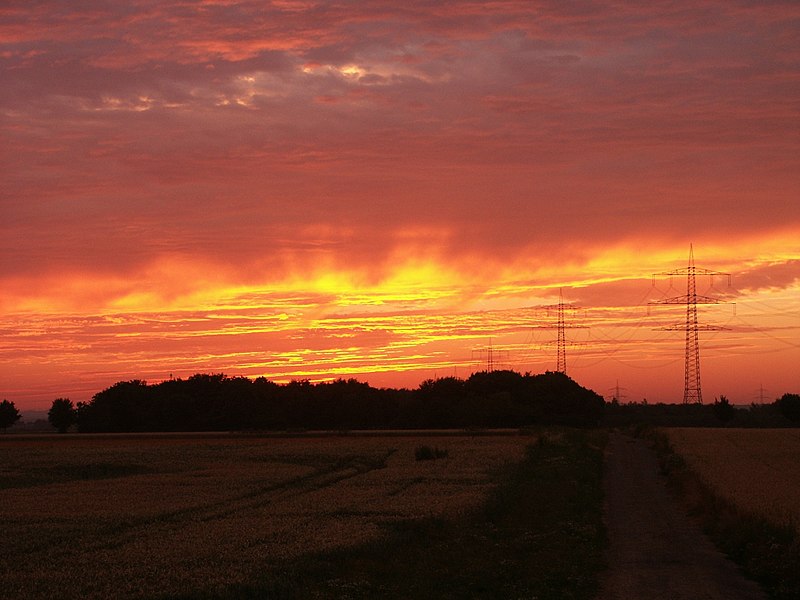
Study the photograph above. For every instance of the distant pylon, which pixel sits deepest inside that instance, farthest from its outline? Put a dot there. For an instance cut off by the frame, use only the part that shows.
(490, 355)
(561, 363)
(762, 394)
(617, 391)
(561, 326)
(692, 392)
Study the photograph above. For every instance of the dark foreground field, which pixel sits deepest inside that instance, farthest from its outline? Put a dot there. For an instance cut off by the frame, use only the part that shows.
(318, 517)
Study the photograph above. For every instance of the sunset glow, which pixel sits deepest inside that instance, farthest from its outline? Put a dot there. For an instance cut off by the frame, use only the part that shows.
(305, 189)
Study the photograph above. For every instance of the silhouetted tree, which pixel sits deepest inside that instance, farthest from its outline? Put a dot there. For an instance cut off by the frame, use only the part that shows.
(789, 405)
(723, 409)
(553, 397)
(125, 406)
(62, 414)
(8, 414)
(440, 403)
(496, 399)
(487, 383)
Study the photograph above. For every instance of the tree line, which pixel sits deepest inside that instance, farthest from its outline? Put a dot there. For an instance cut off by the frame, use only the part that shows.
(783, 412)
(216, 402)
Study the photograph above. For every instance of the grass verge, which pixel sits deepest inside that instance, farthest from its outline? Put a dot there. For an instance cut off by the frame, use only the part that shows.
(539, 535)
(767, 553)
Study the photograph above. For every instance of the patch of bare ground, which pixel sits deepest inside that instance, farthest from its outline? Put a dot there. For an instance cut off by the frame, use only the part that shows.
(655, 550)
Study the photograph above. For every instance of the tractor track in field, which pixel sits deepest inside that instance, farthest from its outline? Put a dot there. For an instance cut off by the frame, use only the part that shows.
(113, 535)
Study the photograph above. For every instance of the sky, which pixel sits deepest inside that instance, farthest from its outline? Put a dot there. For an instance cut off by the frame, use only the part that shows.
(396, 191)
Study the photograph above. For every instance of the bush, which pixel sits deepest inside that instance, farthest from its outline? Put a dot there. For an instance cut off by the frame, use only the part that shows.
(723, 409)
(789, 405)
(428, 453)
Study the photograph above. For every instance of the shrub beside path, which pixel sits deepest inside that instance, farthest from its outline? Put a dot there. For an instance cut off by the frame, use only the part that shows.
(655, 551)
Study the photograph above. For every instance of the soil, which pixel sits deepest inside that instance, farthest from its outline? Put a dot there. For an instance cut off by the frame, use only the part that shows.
(655, 550)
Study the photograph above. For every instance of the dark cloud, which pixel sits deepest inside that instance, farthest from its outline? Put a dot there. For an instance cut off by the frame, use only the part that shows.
(775, 276)
(516, 129)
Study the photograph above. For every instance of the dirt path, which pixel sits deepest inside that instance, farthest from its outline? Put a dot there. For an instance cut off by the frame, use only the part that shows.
(655, 551)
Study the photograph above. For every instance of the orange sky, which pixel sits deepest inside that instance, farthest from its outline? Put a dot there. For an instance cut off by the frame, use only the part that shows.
(303, 189)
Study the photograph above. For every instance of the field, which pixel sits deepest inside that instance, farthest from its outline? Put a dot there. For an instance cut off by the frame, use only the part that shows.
(170, 516)
(756, 470)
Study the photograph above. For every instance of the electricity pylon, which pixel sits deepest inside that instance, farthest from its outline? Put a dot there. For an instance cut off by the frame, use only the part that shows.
(691, 389)
(561, 326)
(617, 391)
(490, 352)
(561, 363)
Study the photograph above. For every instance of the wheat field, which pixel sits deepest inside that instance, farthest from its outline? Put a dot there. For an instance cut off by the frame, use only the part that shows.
(146, 516)
(757, 470)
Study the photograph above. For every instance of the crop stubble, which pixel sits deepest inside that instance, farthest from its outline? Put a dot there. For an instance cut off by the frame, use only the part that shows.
(142, 516)
(756, 470)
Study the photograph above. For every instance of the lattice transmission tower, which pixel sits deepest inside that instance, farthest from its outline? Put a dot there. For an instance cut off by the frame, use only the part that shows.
(491, 353)
(561, 325)
(561, 362)
(692, 392)
(617, 392)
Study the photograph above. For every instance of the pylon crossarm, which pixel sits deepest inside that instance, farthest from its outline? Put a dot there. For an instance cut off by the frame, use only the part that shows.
(696, 299)
(688, 270)
(682, 327)
(675, 300)
(707, 300)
